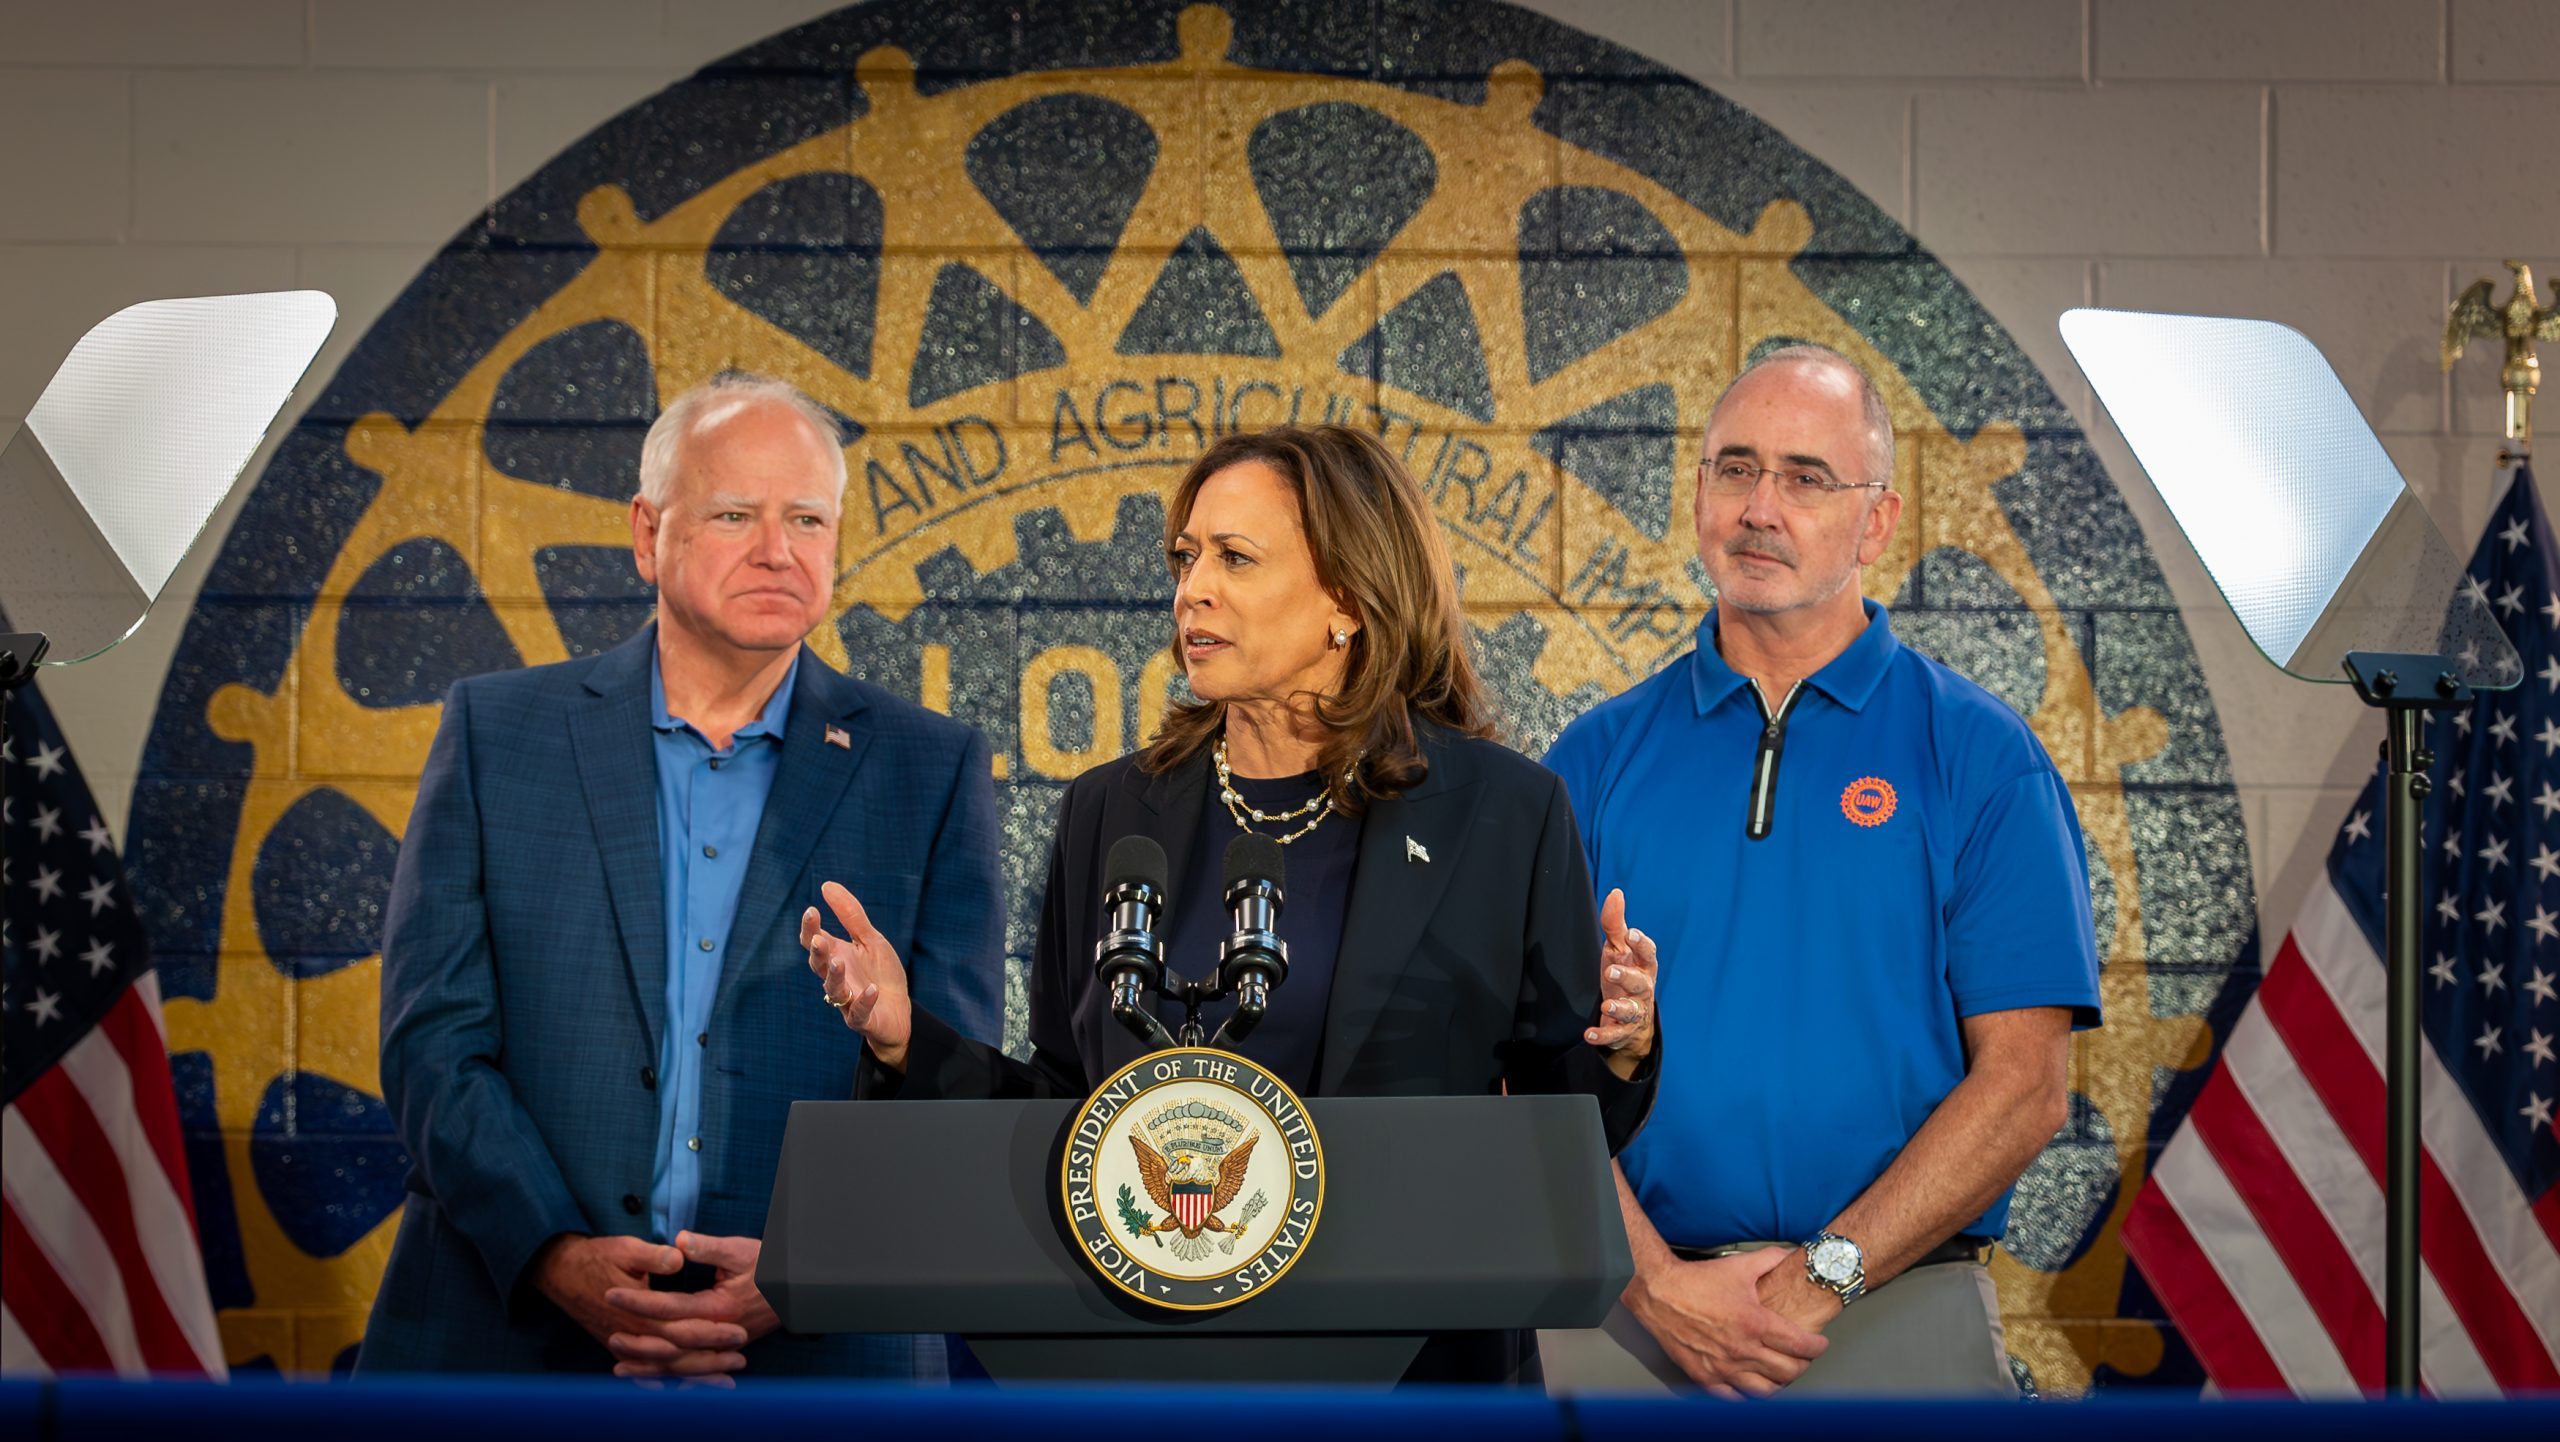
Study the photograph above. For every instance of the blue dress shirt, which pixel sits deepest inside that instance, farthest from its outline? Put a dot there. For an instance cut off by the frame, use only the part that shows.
(710, 802)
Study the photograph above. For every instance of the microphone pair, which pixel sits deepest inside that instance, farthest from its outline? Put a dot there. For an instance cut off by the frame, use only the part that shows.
(1251, 961)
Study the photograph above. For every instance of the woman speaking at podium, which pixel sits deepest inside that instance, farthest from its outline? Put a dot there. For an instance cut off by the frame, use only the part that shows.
(1442, 936)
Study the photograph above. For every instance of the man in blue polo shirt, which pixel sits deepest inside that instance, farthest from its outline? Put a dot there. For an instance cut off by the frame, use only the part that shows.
(1865, 882)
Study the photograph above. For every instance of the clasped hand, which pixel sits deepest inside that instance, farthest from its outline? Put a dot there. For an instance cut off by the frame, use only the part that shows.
(1739, 1325)
(603, 1284)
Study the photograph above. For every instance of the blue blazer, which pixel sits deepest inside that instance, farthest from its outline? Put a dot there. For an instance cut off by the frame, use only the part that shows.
(524, 985)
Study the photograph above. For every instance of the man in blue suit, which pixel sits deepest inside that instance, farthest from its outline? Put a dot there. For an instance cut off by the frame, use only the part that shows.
(596, 1012)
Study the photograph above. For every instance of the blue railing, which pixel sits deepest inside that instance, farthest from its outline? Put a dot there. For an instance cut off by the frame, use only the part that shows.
(487, 1410)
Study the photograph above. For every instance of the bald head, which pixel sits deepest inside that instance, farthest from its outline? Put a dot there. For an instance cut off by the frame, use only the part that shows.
(714, 403)
(1830, 365)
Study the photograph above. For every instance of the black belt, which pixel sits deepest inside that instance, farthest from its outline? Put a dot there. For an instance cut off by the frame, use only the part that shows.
(1958, 1248)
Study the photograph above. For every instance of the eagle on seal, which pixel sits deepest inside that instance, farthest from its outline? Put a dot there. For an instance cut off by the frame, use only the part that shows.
(1161, 1183)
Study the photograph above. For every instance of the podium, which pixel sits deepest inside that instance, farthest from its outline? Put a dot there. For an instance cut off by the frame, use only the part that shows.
(1441, 1214)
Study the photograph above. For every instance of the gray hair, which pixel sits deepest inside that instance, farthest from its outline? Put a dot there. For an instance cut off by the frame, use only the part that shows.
(714, 401)
(1879, 416)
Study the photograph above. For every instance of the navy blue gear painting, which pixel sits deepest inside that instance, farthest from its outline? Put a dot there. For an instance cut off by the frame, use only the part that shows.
(1038, 257)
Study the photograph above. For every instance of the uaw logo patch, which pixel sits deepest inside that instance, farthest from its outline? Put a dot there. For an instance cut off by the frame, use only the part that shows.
(1868, 801)
(1192, 1179)
(1039, 257)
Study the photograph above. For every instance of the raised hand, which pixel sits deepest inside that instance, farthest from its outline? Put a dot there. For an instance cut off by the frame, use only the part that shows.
(861, 974)
(1626, 1026)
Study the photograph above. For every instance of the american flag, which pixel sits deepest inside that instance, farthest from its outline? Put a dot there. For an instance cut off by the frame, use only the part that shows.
(2262, 1225)
(99, 1265)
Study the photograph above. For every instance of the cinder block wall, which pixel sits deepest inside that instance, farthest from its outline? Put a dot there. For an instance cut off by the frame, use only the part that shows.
(2345, 166)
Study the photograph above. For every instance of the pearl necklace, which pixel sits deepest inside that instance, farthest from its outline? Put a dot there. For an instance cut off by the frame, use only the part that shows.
(1320, 807)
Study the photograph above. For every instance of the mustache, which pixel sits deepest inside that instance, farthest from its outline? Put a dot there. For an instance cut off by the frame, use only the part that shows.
(1763, 543)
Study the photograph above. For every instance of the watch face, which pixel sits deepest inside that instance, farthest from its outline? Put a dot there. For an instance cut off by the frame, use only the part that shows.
(1834, 1260)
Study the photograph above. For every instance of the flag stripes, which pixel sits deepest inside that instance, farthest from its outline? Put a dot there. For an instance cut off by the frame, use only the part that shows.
(2262, 1226)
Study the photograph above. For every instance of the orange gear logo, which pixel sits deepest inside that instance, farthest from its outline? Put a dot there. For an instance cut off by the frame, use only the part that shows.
(1868, 801)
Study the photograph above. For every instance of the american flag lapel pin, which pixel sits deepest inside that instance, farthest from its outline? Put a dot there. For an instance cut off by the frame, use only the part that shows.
(1416, 851)
(838, 736)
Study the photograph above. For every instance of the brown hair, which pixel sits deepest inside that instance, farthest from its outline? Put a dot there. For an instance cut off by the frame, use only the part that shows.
(1378, 551)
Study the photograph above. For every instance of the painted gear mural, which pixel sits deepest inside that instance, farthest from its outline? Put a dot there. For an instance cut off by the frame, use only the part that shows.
(1036, 263)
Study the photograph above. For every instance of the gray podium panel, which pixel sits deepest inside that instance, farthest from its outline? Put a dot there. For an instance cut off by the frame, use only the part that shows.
(1440, 1214)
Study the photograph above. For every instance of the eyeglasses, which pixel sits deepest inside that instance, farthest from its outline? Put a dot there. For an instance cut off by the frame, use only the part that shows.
(1798, 486)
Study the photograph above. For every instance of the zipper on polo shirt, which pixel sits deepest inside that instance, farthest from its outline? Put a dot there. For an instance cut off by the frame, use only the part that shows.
(1764, 765)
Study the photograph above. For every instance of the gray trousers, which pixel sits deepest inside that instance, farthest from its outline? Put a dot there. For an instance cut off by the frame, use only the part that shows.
(1933, 1331)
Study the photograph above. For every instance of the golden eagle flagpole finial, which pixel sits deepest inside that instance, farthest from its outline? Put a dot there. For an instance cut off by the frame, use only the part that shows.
(2520, 323)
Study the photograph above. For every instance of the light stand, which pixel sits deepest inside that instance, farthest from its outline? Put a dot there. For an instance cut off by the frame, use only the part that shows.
(134, 443)
(2383, 680)
(2322, 553)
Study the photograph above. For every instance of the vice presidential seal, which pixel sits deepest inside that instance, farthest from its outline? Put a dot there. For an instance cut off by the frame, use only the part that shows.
(1193, 1179)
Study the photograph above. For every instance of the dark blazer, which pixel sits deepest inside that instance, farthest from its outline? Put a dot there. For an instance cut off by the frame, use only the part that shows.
(1477, 969)
(524, 985)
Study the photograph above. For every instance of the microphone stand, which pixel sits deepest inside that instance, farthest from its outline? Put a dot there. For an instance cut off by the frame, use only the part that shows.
(1251, 989)
(1134, 1014)
(1251, 961)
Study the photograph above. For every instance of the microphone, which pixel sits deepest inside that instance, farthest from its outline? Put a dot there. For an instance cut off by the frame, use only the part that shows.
(1253, 959)
(1130, 956)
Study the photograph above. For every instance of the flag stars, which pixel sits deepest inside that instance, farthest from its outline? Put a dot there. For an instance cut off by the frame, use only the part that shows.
(2540, 985)
(2544, 925)
(47, 761)
(2551, 609)
(2488, 1041)
(100, 895)
(2504, 728)
(2550, 674)
(2360, 826)
(2476, 591)
(2495, 853)
(2493, 978)
(2462, 723)
(2501, 790)
(2513, 533)
(47, 945)
(2546, 862)
(2443, 970)
(98, 958)
(2538, 1047)
(2449, 909)
(2547, 801)
(2511, 600)
(48, 823)
(2549, 735)
(2537, 1110)
(46, 1008)
(48, 884)
(2492, 916)
(100, 839)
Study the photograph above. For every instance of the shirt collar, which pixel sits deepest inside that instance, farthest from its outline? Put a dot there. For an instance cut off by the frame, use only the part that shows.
(1848, 678)
(768, 722)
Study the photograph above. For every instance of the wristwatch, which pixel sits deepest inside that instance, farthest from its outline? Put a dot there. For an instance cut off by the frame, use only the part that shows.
(1835, 1264)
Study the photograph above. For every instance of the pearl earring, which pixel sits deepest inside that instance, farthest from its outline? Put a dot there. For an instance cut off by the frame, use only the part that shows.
(1341, 638)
